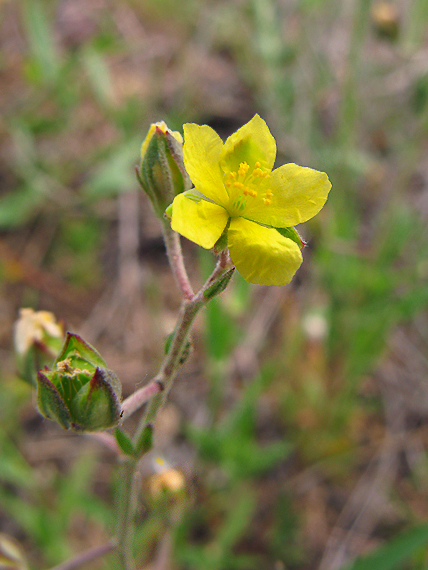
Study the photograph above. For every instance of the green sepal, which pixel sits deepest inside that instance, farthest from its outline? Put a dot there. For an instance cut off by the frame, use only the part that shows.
(219, 285)
(97, 404)
(168, 212)
(124, 442)
(50, 403)
(145, 441)
(162, 174)
(79, 351)
(292, 234)
(27, 367)
(221, 243)
(80, 392)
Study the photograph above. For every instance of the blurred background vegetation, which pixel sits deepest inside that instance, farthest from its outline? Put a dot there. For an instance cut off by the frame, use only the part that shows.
(300, 423)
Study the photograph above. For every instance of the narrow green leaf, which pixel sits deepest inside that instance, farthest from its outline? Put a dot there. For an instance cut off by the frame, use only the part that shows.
(145, 441)
(41, 40)
(99, 75)
(393, 554)
(219, 285)
(124, 442)
(116, 173)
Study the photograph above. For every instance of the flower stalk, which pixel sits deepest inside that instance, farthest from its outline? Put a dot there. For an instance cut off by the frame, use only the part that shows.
(175, 258)
(157, 390)
(126, 515)
(189, 310)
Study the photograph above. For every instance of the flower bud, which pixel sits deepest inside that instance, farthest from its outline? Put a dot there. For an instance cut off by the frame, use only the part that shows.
(80, 392)
(37, 339)
(161, 173)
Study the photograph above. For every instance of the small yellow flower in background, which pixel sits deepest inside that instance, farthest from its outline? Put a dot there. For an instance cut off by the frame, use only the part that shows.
(236, 189)
(35, 326)
(166, 480)
(37, 339)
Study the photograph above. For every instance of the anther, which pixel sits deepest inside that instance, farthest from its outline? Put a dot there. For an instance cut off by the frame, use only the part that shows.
(257, 165)
(243, 169)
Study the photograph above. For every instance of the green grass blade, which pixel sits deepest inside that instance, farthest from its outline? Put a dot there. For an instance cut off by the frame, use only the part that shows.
(393, 554)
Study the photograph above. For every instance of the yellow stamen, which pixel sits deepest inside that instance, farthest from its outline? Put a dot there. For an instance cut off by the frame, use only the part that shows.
(267, 201)
(238, 185)
(243, 169)
(257, 165)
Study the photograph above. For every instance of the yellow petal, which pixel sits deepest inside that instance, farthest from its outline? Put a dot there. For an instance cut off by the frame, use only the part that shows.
(251, 143)
(201, 152)
(198, 220)
(161, 125)
(262, 255)
(296, 195)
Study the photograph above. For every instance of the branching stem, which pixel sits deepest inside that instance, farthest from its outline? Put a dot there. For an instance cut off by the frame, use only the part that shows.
(157, 390)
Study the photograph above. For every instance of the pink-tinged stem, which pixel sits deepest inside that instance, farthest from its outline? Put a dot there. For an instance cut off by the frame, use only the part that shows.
(87, 556)
(106, 439)
(140, 397)
(156, 391)
(175, 258)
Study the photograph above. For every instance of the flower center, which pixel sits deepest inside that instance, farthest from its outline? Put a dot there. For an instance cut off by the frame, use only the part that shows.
(244, 186)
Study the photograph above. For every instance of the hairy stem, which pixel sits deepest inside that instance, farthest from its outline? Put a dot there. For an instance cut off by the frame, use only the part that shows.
(175, 258)
(157, 390)
(140, 397)
(168, 370)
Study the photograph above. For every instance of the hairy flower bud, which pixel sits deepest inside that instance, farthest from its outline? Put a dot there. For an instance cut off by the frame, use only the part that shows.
(37, 339)
(80, 392)
(161, 173)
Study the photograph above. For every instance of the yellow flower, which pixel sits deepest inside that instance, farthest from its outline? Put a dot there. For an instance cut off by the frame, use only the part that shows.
(33, 327)
(236, 189)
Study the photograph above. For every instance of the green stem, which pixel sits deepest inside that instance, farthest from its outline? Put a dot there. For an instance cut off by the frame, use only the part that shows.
(127, 505)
